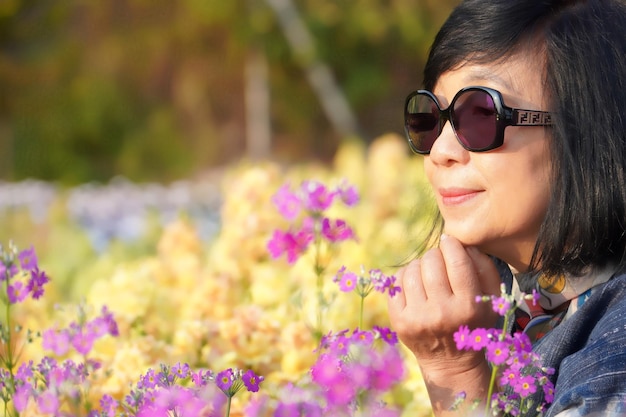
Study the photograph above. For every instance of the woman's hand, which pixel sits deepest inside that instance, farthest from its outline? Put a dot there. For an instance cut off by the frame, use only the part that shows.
(438, 295)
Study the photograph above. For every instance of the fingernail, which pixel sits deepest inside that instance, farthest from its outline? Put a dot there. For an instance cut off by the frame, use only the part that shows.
(443, 236)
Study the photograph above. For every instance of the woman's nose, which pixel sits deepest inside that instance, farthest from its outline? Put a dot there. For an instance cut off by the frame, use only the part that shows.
(446, 148)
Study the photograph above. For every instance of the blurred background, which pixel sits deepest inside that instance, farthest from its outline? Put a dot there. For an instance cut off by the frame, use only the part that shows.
(141, 142)
(119, 116)
(159, 90)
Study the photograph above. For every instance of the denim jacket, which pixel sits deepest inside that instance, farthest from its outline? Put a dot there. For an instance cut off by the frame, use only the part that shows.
(588, 353)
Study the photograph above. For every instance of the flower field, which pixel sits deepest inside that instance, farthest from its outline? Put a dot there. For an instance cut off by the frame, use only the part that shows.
(196, 290)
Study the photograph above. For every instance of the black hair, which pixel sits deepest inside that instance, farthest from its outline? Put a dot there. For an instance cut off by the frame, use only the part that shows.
(582, 46)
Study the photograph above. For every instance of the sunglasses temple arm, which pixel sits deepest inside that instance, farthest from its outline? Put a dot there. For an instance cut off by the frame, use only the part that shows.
(520, 117)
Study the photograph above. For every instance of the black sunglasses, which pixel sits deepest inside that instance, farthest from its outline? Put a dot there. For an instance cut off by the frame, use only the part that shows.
(477, 115)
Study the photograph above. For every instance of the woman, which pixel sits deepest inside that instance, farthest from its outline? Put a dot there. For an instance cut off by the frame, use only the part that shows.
(542, 190)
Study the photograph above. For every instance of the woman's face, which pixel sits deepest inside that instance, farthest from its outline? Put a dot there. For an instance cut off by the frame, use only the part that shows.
(494, 200)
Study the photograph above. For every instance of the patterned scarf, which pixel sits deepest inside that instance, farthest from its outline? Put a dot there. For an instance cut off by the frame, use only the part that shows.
(560, 297)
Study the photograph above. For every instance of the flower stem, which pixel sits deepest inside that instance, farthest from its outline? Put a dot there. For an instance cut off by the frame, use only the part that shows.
(494, 370)
(361, 313)
(319, 272)
(230, 398)
(492, 383)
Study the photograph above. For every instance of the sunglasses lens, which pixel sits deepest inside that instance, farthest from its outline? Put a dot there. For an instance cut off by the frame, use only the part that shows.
(421, 119)
(474, 117)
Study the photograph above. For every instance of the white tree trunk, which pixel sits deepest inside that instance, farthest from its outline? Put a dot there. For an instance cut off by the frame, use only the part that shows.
(321, 78)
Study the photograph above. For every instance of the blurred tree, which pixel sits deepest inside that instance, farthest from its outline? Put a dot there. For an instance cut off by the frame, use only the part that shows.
(154, 89)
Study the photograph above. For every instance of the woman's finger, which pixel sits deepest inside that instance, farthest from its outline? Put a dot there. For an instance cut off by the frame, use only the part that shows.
(403, 305)
(488, 276)
(462, 273)
(435, 275)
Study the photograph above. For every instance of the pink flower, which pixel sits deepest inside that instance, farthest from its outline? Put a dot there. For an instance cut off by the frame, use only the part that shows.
(21, 396)
(336, 230)
(287, 202)
(479, 338)
(348, 194)
(509, 375)
(500, 305)
(461, 338)
(497, 352)
(83, 342)
(317, 197)
(48, 402)
(291, 244)
(388, 369)
(362, 337)
(339, 344)
(348, 282)
(525, 385)
(341, 392)
(327, 370)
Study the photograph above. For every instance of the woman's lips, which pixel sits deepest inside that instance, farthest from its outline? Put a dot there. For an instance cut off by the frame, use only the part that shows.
(454, 196)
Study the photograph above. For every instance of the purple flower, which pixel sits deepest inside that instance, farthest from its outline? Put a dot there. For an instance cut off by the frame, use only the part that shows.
(251, 380)
(17, 292)
(225, 379)
(387, 335)
(287, 202)
(28, 259)
(348, 194)
(336, 230)
(181, 371)
(25, 373)
(107, 317)
(36, 282)
(108, 404)
(201, 377)
(548, 391)
(535, 297)
(392, 288)
(7, 272)
(383, 283)
(149, 380)
(317, 197)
